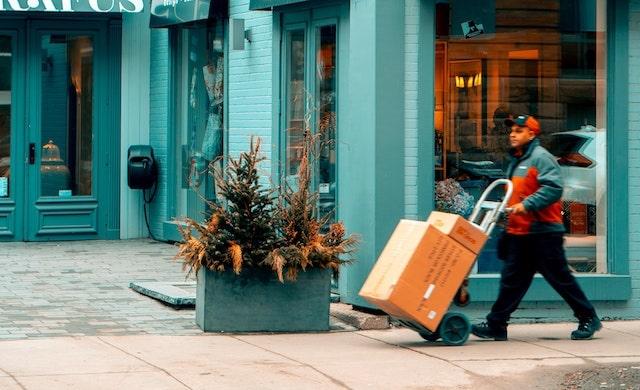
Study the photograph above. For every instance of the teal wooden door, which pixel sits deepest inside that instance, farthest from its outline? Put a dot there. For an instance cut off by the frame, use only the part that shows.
(12, 137)
(61, 151)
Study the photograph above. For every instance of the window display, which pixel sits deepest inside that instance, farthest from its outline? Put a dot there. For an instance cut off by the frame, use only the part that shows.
(199, 85)
(546, 60)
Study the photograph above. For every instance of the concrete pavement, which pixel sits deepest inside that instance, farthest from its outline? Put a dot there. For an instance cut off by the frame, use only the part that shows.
(69, 321)
(537, 356)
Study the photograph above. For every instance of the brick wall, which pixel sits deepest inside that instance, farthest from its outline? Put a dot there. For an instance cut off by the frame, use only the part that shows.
(249, 96)
(158, 126)
(634, 151)
(411, 108)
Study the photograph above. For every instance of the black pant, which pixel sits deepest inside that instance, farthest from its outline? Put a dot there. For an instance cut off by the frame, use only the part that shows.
(527, 255)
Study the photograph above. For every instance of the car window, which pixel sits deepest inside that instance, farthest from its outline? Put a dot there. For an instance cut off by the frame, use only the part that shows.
(568, 149)
(561, 144)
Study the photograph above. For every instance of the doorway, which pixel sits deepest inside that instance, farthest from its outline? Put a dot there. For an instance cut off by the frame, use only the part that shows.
(55, 151)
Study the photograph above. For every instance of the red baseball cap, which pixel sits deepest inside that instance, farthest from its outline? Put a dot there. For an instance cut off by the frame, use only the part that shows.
(524, 121)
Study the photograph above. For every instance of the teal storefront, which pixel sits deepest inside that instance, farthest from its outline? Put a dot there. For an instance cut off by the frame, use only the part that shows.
(60, 119)
(419, 94)
(195, 37)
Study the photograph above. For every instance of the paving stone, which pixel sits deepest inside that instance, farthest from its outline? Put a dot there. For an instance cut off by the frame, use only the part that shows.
(82, 288)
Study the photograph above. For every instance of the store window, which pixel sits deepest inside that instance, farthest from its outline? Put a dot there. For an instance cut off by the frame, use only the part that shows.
(512, 57)
(199, 114)
(311, 103)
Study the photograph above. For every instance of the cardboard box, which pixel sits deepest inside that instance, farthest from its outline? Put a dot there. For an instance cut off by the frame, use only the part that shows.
(418, 273)
(459, 229)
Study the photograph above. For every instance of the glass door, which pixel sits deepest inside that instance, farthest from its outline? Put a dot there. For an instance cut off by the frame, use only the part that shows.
(65, 138)
(198, 82)
(326, 91)
(313, 49)
(310, 101)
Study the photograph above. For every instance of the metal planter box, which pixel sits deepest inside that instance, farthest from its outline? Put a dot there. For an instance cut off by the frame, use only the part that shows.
(256, 301)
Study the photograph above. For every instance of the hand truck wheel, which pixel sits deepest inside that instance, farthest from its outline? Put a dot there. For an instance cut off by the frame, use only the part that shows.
(454, 328)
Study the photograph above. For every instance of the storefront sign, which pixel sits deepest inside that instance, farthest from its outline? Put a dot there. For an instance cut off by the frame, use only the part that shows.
(73, 5)
(169, 12)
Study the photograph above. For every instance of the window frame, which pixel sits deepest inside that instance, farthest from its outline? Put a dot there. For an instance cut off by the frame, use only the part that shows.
(612, 286)
(309, 19)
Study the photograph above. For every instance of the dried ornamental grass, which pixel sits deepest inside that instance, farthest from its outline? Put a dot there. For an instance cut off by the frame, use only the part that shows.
(254, 231)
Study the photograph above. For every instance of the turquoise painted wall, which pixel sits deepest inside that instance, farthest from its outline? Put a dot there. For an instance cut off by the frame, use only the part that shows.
(145, 92)
(634, 154)
(250, 78)
(158, 123)
(372, 148)
(136, 53)
(411, 102)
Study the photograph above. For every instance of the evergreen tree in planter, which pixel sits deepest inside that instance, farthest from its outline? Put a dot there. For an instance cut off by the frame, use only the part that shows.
(250, 255)
(241, 234)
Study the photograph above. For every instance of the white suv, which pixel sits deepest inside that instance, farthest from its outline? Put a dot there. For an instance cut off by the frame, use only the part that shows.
(581, 155)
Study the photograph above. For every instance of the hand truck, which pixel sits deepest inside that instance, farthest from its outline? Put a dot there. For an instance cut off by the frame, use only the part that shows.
(454, 328)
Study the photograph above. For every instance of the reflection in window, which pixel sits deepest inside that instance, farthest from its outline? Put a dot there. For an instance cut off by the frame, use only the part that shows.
(5, 113)
(296, 99)
(199, 82)
(67, 115)
(326, 118)
(552, 66)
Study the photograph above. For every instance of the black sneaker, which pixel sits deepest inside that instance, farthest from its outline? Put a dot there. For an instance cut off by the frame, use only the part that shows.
(586, 329)
(486, 331)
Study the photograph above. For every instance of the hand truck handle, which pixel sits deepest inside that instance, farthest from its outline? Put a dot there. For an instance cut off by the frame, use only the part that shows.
(494, 209)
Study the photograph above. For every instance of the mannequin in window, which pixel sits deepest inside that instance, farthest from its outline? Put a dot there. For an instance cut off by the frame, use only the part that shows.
(212, 150)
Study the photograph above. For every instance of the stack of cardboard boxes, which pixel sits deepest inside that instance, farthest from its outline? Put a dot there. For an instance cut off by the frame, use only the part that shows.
(422, 266)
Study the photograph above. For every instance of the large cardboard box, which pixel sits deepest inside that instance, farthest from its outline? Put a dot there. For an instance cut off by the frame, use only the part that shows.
(418, 273)
(459, 229)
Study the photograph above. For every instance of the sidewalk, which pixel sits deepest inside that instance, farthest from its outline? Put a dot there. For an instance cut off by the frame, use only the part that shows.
(68, 320)
(537, 356)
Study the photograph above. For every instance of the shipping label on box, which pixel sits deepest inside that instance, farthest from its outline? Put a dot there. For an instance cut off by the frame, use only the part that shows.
(459, 229)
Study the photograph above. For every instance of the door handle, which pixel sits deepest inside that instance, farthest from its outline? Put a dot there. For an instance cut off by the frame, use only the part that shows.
(32, 153)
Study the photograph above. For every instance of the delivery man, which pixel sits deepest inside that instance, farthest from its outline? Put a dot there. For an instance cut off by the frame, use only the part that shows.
(535, 234)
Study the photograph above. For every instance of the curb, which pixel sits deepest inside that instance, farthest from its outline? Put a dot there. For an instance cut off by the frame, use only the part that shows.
(359, 320)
